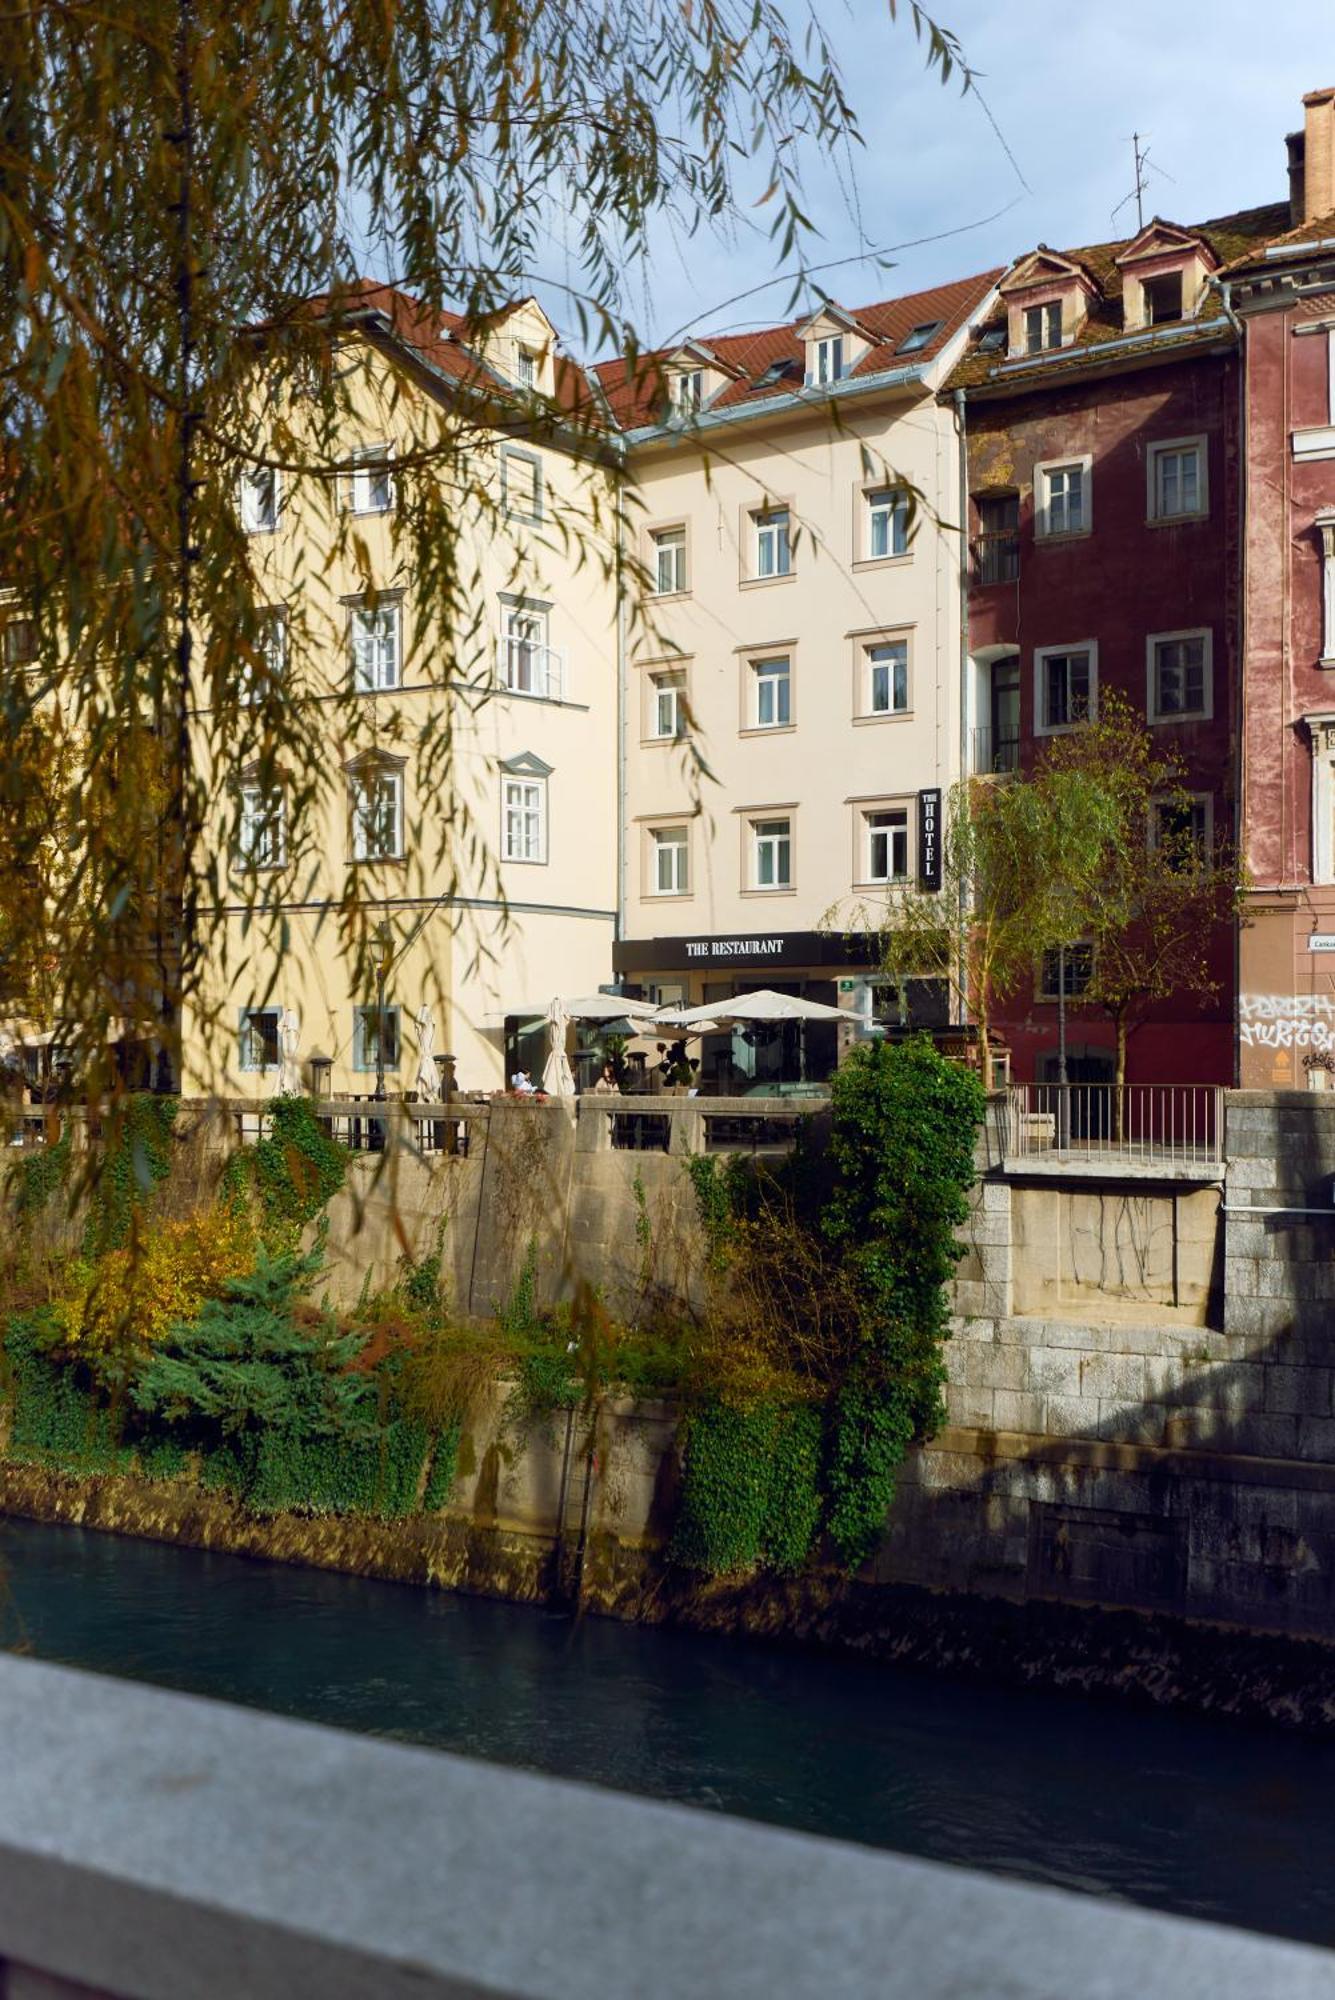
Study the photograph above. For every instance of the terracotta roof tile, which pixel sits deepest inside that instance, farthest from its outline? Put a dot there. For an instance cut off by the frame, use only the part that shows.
(1253, 257)
(1227, 236)
(635, 390)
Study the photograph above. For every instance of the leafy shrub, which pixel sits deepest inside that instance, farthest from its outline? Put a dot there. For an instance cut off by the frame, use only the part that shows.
(131, 1296)
(58, 1412)
(37, 1175)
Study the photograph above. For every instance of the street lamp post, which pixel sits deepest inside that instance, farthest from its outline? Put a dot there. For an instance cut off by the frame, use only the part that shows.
(1063, 1093)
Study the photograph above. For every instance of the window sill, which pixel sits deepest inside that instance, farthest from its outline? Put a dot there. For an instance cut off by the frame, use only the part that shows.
(500, 691)
(884, 562)
(891, 715)
(1060, 728)
(766, 582)
(885, 882)
(1043, 536)
(523, 861)
(768, 729)
(668, 896)
(376, 860)
(1176, 520)
(667, 596)
(789, 890)
(662, 742)
(1173, 721)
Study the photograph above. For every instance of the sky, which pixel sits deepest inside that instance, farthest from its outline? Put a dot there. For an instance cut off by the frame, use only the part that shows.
(1042, 152)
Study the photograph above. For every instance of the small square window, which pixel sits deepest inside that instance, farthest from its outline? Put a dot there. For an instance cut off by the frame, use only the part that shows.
(773, 547)
(1177, 480)
(669, 561)
(1180, 677)
(521, 485)
(771, 693)
(668, 719)
(1163, 299)
(1062, 497)
(259, 1045)
(1181, 828)
(771, 853)
(1072, 968)
(20, 642)
(262, 833)
(261, 499)
(887, 678)
(886, 836)
(887, 523)
(372, 1026)
(671, 860)
(1043, 327)
(375, 798)
(374, 637)
(524, 819)
(370, 485)
(1066, 687)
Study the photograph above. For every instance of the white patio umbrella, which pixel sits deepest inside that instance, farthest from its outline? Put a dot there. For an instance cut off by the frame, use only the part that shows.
(608, 1007)
(557, 1077)
(763, 1006)
(289, 1046)
(428, 1082)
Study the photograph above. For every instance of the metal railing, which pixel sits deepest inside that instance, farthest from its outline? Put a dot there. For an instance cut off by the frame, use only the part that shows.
(995, 751)
(368, 1125)
(530, 669)
(1161, 1126)
(996, 558)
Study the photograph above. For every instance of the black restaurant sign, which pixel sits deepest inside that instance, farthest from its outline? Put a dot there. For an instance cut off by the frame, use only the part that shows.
(749, 951)
(929, 838)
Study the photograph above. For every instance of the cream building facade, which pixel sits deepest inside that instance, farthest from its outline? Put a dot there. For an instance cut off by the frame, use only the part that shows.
(464, 824)
(793, 696)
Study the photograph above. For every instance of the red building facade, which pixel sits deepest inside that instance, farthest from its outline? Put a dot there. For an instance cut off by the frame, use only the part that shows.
(1284, 296)
(1103, 420)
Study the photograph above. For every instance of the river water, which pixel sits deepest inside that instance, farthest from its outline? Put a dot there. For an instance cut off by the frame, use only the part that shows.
(1211, 1819)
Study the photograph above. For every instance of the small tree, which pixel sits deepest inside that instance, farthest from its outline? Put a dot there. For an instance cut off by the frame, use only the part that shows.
(1017, 856)
(1161, 894)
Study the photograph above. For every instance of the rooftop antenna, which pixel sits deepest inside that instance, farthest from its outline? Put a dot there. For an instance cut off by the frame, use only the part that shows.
(1145, 166)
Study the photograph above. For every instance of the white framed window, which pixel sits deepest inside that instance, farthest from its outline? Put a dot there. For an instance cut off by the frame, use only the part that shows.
(771, 853)
(668, 709)
(1180, 677)
(887, 523)
(262, 831)
(526, 368)
(1066, 686)
(1162, 298)
(827, 360)
(885, 843)
(1043, 327)
(20, 642)
(528, 664)
(886, 677)
(370, 485)
(524, 819)
(771, 692)
(670, 861)
(258, 679)
(521, 485)
(374, 635)
(1072, 968)
(669, 564)
(686, 391)
(772, 542)
(369, 1026)
(1324, 524)
(1182, 826)
(258, 1044)
(1063, 497)
(375, 806)
(1178, 487)
(261, 499)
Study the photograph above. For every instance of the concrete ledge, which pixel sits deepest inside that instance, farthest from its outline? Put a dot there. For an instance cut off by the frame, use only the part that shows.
(157, 1847)
(1107, 1455)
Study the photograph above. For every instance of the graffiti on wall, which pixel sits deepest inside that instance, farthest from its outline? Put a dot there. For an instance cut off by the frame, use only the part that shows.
(1287, 1021)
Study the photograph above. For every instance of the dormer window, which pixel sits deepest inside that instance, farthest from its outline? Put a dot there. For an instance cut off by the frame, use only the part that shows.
(1163, 299)
(1043, 327)
(686, 391)
(526, 369)
(827, 360)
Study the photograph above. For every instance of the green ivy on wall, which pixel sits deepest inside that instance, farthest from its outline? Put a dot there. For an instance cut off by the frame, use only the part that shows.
(294, 1172)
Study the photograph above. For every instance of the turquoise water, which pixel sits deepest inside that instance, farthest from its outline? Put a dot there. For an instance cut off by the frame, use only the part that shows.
(1179, 1812)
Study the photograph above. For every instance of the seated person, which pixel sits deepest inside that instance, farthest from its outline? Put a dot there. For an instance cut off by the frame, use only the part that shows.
(607, 1085)
(522, 1084)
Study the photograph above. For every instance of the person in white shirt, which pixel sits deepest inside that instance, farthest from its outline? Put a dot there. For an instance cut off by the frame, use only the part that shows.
(522, 1083)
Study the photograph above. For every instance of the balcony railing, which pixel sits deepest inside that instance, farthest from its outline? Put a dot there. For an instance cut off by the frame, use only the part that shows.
(996, 558)
(527, 668)
(1161, 1128)
(995, 750)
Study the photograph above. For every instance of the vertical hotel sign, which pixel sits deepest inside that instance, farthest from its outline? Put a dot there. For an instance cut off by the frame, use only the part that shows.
(929, 839)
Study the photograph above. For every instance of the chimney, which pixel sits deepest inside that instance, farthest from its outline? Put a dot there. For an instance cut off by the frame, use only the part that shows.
(1312, 160)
